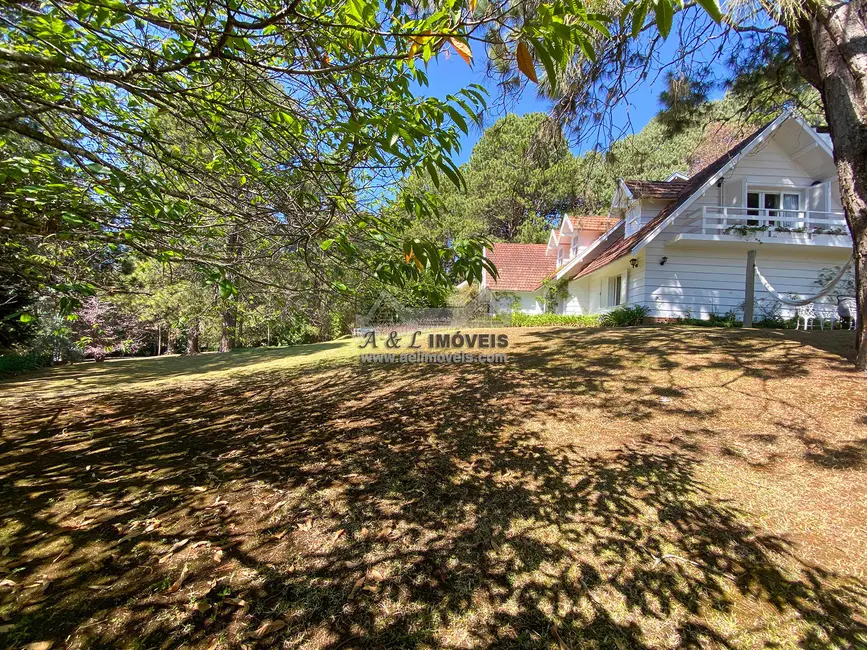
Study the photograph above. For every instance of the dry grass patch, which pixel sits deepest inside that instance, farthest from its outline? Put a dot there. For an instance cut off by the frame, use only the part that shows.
(642, 488)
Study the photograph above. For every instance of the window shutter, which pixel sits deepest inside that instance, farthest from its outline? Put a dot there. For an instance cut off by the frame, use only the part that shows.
(623, 285)
(818, 197)
(734, 192)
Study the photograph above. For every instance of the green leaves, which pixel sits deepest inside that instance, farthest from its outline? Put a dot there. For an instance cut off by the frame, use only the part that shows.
(663, 11)
(664, 15)
(164, 126)
(712, 8)
(638, 16)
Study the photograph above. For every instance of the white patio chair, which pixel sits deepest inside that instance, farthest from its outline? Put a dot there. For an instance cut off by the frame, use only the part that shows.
(806, 313)
(825, 313)
(847, 307)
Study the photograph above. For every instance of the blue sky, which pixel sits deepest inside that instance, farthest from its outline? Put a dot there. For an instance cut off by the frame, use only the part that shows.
(448, 73)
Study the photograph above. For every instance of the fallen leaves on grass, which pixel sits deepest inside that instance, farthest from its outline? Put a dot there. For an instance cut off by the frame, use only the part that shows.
(367, 583)
(177, 546)
(66, 551)
(200, 606)
(153, 525)
(358, 585)
(307, 524)
(388, 532)
(179, 582)
(268, 628)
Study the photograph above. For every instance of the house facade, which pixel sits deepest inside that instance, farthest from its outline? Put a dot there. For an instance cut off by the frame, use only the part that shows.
(679, 246)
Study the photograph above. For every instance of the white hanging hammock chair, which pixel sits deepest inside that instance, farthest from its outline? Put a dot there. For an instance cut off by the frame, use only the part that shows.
(804, 301)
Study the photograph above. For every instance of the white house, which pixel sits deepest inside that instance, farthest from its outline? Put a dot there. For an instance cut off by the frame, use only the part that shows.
(679, 246)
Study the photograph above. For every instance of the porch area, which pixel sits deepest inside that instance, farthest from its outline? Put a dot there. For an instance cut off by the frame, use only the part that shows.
(712, 223)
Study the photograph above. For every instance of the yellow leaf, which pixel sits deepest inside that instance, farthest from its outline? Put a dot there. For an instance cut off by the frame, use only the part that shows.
(421, 39)
(525, 62)
(473, 4)
(463, 49)
(413, 50)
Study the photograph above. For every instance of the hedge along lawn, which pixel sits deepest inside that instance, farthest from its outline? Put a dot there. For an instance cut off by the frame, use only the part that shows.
(606, 488)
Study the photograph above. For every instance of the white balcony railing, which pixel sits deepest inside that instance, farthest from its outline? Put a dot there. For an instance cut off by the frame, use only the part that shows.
(719, 220)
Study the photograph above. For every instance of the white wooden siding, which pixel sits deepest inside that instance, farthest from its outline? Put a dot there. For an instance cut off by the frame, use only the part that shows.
(650, 208)
(529, 302)
(707, 280)
(588, 295)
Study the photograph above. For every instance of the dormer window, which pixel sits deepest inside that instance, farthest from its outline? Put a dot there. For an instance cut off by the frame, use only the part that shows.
(633, 219)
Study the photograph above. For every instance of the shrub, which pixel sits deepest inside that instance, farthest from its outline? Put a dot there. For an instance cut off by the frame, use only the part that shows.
(729, 319)
(541, 320)
(15, 364)
(624, 316)
(620, 317)
(777, 322)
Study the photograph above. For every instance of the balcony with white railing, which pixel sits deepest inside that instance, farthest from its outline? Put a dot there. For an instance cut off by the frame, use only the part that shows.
(773, 226)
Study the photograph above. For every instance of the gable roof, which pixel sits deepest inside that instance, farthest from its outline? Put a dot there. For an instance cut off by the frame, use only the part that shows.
(592, 222)
(622, 247)
(655, 189)
(521, 267)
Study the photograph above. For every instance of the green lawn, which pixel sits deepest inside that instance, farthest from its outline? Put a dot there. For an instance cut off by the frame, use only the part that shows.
(605, 488)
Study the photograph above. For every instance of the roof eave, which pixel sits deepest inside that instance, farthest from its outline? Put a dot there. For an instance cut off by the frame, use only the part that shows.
(560, 273)
(625, 188)
(814, 134)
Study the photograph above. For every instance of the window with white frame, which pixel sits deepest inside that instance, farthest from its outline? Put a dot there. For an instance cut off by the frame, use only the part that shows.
(773, 208)
(616, 290)
(633, 218)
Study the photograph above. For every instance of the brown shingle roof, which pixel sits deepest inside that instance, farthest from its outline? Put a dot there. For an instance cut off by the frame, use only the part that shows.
(656, 189)
(622, 247)
(521, 267)
(593, 222)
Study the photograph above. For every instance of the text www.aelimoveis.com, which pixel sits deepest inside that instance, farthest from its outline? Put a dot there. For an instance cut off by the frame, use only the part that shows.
(431, 357)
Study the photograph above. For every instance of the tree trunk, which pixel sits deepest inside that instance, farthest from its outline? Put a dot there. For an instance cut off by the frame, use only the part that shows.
(227, 334)
(193, 338)
(828, 45)
(159, 338)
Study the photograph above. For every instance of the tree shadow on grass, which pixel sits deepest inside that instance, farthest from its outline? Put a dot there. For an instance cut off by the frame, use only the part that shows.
(366, 506)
